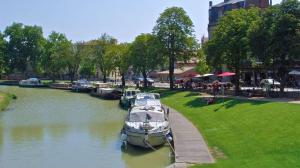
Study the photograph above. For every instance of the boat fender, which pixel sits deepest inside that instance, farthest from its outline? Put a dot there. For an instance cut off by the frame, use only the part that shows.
(169, 138)
(146, 137)
(123, 137)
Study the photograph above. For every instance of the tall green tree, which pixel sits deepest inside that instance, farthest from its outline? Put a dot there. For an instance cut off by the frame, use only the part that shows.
(122, 60)
(145, 56)
(285, 38)
(102, 58)
(202, 66)
(230, 44)
(175, 30)
(3, 60)
(275, 39)
(78, 53)
(25, 47)
(58, 50)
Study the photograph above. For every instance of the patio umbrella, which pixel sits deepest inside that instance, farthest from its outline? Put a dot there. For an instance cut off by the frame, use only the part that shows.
(224, 74)
(294, 72)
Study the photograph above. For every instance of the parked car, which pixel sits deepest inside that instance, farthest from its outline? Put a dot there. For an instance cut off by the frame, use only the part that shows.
(269, 82)
(141, 81)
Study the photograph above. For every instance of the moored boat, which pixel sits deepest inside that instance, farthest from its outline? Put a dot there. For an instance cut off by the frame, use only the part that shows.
(31, 82)
(106, 91)
(128, 97)
(146, 127)
(82, 85)
(61, 85)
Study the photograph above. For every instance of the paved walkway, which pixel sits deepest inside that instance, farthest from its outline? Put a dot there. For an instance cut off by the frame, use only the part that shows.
(190, 147)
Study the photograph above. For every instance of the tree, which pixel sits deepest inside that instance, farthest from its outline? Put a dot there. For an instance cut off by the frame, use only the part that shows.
(122, 59)
(285, 38)
(174, 29)
(78, 52)
(202, 66)
(25, 47)
(102, 58)
(87, 67)
(230, 44)
(275, 39)
(3, 60)
(144, 55)
(58, 50)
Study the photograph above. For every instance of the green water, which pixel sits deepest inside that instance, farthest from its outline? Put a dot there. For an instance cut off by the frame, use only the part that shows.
(47, 128)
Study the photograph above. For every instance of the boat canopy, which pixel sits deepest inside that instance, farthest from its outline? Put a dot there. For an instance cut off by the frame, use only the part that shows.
(147, 102)
(144, 116)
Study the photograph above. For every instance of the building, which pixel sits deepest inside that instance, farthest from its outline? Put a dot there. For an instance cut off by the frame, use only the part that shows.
(217, 11)
(183, 70)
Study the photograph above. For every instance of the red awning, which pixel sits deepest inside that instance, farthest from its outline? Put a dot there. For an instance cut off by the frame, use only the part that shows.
(224, 74)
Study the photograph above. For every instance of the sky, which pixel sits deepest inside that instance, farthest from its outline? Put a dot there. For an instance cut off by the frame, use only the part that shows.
(83, 20)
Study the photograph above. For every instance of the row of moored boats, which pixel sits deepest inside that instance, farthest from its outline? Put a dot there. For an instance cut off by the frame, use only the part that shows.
(146, 124)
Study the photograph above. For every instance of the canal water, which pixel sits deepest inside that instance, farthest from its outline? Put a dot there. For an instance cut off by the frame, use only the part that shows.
(54, 128)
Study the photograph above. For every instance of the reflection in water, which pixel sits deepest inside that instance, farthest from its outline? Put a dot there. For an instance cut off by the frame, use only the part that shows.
(26, 133)
(147, 158)
(54, 128)
(105, 131)
(57, 131)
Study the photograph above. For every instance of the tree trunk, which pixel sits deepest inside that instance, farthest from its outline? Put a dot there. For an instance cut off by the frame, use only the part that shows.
(72, 77)
(171, 71)
(237, 82)
(123, 80)
(104, 78)
(145, 79)
(283, 77)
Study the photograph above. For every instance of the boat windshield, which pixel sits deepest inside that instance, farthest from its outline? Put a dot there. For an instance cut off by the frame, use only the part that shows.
(146, 116)
(130, 93)
(147, 103)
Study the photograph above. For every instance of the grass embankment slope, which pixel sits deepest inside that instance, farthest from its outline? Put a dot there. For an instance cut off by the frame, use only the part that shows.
(5, 98)
(242, 133)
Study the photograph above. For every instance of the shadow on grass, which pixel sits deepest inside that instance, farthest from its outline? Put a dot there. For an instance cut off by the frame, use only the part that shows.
(220, 103)
(190, 94)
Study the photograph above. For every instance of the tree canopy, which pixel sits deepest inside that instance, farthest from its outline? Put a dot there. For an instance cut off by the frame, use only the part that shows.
(229, 45)
(25, 47)
(144, 55)
(175, 30)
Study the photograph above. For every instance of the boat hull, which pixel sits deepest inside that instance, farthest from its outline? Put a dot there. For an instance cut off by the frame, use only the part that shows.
(78, 89)
(126, 102)
(146, 140)
(107, 95)
(32, 86)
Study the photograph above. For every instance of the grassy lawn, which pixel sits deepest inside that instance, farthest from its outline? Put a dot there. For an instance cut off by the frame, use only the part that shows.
(241, 133)
(5, 98)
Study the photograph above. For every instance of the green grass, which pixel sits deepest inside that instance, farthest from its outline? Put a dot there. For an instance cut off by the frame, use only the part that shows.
(241, 133)
(5, 99)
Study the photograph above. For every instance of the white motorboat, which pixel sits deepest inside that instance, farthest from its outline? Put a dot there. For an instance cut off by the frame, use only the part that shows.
(147, 123)
(82, 85)
(31, 82)
(146, 126)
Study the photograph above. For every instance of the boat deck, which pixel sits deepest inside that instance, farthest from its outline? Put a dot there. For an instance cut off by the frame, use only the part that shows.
(190, 147)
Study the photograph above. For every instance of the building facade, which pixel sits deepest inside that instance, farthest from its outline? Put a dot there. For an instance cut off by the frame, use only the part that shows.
(217, 11)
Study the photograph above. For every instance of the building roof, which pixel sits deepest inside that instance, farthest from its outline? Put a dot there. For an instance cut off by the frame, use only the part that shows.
(177, 71)
(226, 3)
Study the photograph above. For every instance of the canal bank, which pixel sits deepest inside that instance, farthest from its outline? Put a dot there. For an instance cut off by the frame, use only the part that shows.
(56, 128)
(5, 99)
